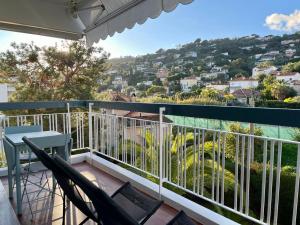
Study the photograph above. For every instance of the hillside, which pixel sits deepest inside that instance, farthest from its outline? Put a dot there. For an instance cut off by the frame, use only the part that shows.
(213, 60)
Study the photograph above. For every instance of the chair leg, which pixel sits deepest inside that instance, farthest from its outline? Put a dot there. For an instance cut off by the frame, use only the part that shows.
(64, 210)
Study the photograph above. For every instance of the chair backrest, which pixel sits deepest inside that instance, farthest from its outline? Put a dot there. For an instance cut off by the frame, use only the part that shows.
(9, 153)
(22, 129)
(62, 143)
(108, 211)
(41, 155)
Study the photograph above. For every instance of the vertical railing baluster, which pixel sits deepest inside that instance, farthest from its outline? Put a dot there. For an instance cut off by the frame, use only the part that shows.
(296, 193)
(264, 177)
(242, 175)
(270, 183)
(278, 168)
(236, 174)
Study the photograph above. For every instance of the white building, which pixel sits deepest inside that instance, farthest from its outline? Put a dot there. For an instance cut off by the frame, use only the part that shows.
(141, 68)
(157, 64)
(118, 82)
(162, 74)
(242, 83)
(296, 85)
(263, 70)
(176, 56)
(262, 46)
(290, 52)
(288, 77)
(191, 54)
(6, 91)
(219, 87)
(188, 82)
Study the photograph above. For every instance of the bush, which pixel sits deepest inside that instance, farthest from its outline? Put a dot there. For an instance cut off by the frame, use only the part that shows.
(277, 104)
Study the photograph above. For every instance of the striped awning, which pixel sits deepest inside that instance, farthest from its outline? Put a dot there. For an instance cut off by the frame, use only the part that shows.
(74, 19)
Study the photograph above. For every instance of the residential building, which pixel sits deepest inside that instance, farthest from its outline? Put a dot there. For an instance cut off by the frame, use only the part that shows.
(6, 90)
(157, 64)
(247, 47)
(176, 56)
(219, 87)
(296, 85)
(246, 96)
(119, 83)
(225, 53)
(287, 42)
(162, 73)
(290, 52)
(288, 77)
(262, 46)
(263, 70)
(242, 83)
(191, 54)
(188, 82)
(141, 68)
(219, 69)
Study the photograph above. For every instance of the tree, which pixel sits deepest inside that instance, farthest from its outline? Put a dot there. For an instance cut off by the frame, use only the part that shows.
(50, 73)
(282, 91)
(156, 90)
(210, 93)
(292, 67)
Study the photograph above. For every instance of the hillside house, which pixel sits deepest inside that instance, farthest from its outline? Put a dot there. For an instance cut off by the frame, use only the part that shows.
(191, 54)
(119, 83)
(263, 70)
(157, 64)
(219, 87)
(6, 90)
(296, 85)
(188, 82)
(288, 77)
(246, 96)
(140, 68)
(290, 52)
(162, 74)
(242, 83)
(176, 56)
(287, 42)
(261, 46)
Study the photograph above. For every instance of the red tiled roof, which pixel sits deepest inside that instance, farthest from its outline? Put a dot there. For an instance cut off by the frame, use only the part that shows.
(118, 97)
(287, 74)
(245, 93)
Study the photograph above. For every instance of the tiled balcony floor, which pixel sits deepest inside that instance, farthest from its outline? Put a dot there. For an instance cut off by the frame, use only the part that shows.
(52, 213)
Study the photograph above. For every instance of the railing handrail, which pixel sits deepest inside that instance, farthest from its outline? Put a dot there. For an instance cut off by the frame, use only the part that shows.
(268, 116)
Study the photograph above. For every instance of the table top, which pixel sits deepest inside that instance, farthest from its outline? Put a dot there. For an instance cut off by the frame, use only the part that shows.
(16, 139)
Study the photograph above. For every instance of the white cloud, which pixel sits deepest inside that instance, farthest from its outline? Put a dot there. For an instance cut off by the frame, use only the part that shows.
(284, 22)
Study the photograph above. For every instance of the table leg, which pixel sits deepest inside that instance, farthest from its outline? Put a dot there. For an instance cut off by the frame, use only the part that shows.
(18, 183)
(10, 183)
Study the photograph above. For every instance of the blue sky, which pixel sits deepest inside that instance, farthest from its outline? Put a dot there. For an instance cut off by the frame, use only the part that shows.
(205, 19)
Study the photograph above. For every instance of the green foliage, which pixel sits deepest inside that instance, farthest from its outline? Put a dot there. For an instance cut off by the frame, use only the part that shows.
(282, 91)
(211, 94)
(271, 88)
(277, 104)
(50, 73)
(155, 90)
(292, 67)
(231, 139)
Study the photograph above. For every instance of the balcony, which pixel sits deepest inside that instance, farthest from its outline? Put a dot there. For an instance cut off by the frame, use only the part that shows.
(189, 156)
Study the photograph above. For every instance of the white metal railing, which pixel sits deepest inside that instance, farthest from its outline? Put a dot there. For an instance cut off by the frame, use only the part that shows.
(218, 166)
(74, 122)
